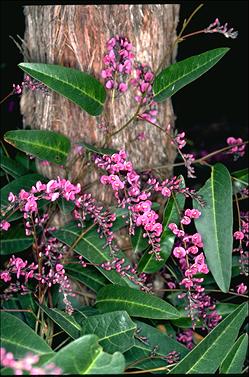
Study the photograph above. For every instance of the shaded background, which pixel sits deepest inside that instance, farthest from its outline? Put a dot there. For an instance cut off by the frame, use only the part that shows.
(208, 110)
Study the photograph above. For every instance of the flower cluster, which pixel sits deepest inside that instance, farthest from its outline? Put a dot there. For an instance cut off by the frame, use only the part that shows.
(118, 62)
(216, 27)
(239, 148)
(242, 236)
(49, 252)
(26, 364)
(126, 184)
(142, 83)
(30, 84)
(186, 337)
(178, 139)
(126, 270)
(192, 263)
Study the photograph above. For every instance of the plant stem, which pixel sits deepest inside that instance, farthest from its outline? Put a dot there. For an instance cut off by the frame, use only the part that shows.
(207, 290)
(199, 160)
(6, 97)
(80, 237)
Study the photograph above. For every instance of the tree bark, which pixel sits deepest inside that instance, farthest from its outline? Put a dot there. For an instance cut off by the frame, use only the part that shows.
(75, 36)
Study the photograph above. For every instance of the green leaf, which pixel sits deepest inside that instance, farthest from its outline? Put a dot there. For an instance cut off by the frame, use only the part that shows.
(11, 167)
(14, 240)
(25, 182)
(139, 243)
(89, 276)
(241, 181)
(23, 159)
(81, 314)
(216, 224)
(19, 338)
(23, 302)
(136, 303)
(174, 206)
(94, 149)
(115, 330)
(177, 75)
(79, 87)
(91, 248)
(163, 343)
(46, 145)
(85, 356)
(234, 360)
(209, 353)
(64, 320)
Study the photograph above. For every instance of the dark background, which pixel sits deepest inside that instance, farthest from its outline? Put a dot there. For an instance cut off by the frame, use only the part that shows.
(209, 109)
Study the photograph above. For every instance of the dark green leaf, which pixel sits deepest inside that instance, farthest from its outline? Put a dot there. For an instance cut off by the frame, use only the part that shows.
(81, 314)
(139, 243)
(11, 167)
(240, 180)
(14, 240)
(46, 145)
(79, 87)
(64, 320)
(15, 186)
(22, 302)
(89, 276)
(216, 224)
(136, 303)
(23, 159)
(85, 356)
(91, 248)
(234, 360)
(209, 353)
(115, 330)
(172, 212)
(98, 150)
(163, 343)
(19, 338)
(177, 75)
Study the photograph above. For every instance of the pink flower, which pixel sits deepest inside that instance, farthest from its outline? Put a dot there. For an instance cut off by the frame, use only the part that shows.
(31, 205)
(238, 235)
(4, 225)
(241, 288)
(192, 250)
(192, 213)
(5, 276)
(122, 87)
(197, 240)
(179, 252)
(188, 283)
(11, 197)
(185, 220)
(157, 228)
(166, 192)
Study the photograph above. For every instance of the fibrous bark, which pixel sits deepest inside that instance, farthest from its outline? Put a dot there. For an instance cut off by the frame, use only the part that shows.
(75, 36)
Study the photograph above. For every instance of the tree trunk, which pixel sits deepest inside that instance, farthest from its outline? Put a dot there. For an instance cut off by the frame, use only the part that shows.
(75, 36)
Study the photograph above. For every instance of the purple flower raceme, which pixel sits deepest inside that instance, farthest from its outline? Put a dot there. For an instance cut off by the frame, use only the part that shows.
(130, 193)
(118, 62)
(142, 84)
(216, 27)
(49, 251)
(192, 262)
(31, 84)
(242, 236)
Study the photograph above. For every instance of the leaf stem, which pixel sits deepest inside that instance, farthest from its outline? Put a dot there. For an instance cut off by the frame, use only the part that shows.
(6, 97)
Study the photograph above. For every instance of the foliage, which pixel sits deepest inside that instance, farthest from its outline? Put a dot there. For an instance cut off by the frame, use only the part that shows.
(128, 323)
